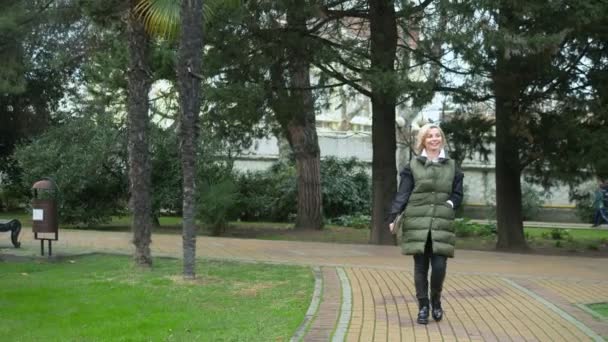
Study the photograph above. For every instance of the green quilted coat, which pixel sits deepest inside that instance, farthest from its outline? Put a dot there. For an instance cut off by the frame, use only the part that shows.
(427, 209)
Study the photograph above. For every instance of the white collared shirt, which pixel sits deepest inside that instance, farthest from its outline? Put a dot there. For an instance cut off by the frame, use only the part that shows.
(441, 154)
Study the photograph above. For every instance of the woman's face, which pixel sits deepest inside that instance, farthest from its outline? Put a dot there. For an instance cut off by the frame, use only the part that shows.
(433, 141)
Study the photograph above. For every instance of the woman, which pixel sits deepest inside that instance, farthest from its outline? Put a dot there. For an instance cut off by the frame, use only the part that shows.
(429, 192)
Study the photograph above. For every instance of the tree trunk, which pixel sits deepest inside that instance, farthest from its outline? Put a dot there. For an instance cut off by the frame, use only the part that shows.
(507, 85)
(139, 82)
(308, 172)
(284, 148)
(383, 30)
(189, 86)
(301, 130)
(508, 180)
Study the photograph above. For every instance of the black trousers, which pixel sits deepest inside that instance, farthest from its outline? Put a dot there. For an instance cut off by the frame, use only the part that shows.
(438, 265)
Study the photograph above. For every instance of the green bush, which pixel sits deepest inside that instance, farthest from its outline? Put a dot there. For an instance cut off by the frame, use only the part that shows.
(464, 228)
(267, 195)
(359, 221)
(583, 199)
(558, 234)
(346, 187)
(272, 195)
(531, 201)
(86, 157)
(217, 203)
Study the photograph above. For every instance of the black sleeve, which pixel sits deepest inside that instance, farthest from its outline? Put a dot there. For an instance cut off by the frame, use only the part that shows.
(406, 185)
(457, 189)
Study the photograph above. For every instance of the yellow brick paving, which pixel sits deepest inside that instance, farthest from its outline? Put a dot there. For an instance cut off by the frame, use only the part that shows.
(578, 292)
(478, 308)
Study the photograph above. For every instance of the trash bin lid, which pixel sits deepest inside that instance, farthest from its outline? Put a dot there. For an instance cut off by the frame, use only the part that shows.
(44, 184)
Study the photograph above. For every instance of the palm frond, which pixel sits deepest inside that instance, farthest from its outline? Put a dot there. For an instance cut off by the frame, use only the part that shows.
(162, 19)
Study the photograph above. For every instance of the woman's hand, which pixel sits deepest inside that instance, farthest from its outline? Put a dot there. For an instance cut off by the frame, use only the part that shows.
(392, 227)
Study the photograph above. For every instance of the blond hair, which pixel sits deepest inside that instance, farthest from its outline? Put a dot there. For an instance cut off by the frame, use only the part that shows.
(423, 132)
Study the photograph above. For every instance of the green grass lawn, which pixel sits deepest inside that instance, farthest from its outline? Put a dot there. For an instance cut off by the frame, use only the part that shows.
(600, 308)
(574, 239)
(104, 298)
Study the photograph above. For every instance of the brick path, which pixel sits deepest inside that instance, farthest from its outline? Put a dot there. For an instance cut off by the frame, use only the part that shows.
(368, 291)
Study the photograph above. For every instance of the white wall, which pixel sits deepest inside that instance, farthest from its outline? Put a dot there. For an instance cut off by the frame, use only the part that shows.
(479, 180)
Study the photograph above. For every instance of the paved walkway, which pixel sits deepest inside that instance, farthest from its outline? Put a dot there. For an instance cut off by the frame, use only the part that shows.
(366, 293)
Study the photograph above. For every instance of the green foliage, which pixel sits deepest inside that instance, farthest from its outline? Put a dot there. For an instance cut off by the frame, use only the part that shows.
(600, 308)
(465, 228)
(85, 159)
(531, 201)
(268, 195)
(271, 195)
(40, 49)
(558, 234)
(11, 198)
(345, 186)
(469, 133)
(583, 199)
(166, 172)
(357, 221)
(217, 204)
(12, 78)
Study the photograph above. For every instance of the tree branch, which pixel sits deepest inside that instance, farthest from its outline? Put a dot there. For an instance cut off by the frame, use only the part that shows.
(414, 9)
(464, 93)
(339, 76)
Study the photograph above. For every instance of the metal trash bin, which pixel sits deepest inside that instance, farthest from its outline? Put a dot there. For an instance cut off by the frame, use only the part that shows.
(44, 212)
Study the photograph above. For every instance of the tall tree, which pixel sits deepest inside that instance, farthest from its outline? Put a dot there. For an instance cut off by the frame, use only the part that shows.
(298, 119)
(369, 46)
(272, 39)
(520, 57)
(40, 53)
(189, 86)
(139, 82)
(383, 48)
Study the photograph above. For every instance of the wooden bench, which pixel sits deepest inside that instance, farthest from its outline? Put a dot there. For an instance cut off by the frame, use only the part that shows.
(13, 226)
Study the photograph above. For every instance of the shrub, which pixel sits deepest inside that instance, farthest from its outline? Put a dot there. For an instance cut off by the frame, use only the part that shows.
(86, 158)
(345, 186)
(267, 195)
(217, 204)
(464, 228)
(272, 194)
(560, 234)
(359, 221)
(583, 199)
(531, 201)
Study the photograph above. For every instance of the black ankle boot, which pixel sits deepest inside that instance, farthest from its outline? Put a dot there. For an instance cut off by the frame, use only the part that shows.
(423, 315)
(437, 311)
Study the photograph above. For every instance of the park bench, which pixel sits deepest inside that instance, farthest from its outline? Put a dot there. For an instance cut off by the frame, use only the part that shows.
(13, 226)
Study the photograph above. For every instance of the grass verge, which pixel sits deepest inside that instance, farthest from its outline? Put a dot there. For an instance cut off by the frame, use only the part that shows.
(600, 308)
(104, 298)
